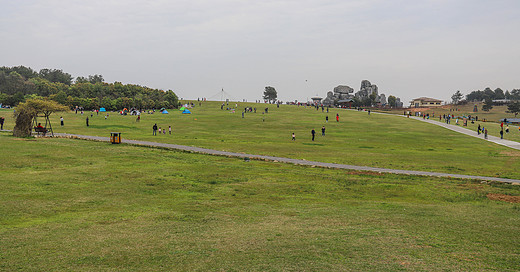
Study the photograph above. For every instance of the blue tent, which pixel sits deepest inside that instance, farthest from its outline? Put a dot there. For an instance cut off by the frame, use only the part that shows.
(102, 110)
(186, 111)
(165, 112)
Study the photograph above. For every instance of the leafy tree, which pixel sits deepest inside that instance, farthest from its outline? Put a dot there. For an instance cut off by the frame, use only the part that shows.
(27, 111)
(391, 101)
(499, 94)
(25, 72)
(60, 97)
(515, 94)
(514, 108)
(81, 79)
(270, 94)
(507, 95)
(172, 99)
(456, 97)
(372, 98)
(56, 75)
(95, 79)
(488, 104)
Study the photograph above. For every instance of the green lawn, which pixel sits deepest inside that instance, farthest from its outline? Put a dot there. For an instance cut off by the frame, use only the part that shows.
(492, 117)
(359, 139)
(89, 206)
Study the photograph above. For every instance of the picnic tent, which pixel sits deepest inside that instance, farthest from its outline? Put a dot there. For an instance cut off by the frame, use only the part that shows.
(182, 108)
(186, 111)
(102, 110)
(165, 112)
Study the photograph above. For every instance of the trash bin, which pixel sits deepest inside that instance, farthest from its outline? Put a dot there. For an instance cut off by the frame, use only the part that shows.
(115, 137)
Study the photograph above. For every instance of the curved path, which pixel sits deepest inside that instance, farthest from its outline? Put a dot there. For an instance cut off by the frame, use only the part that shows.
(460, 129)
(287, 160)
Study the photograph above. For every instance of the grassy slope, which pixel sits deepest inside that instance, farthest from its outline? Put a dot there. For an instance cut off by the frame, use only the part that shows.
(492, 117)
(88, 206)
(359, 139)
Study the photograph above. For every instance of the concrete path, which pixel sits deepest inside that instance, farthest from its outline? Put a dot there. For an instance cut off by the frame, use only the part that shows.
(287, 160)
(460, 129)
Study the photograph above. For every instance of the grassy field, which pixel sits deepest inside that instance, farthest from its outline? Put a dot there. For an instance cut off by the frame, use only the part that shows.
(492, 117)
(359, 139)
(90, 206)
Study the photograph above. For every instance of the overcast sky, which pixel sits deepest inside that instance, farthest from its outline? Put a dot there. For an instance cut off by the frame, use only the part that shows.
(408, 48)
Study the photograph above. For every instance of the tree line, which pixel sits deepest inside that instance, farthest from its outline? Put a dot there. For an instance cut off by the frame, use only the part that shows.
(493, 95)
(20, 83)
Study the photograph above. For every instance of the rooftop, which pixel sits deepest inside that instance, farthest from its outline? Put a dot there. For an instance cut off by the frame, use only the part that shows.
(427, 99)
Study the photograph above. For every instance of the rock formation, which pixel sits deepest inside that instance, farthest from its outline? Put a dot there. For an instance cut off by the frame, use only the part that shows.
(367, 89)
(341, 92)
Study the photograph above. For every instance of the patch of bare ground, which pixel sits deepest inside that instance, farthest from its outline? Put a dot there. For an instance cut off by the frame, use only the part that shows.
(365, 173)
(510, 153)
(505, 198)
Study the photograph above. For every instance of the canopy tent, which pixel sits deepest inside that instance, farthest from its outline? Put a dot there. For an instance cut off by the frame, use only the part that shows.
(102, 110)
(186, 111)
(165, 112)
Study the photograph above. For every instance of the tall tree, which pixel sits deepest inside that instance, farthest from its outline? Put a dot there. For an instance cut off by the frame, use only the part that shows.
(270, 94)
(499, 94)
(456, 97)
(56, 75)
(488, 104)
(514, 108)
(391, 101)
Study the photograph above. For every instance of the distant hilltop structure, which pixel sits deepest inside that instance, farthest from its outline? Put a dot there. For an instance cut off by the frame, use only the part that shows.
(425, 102)
(368, 93)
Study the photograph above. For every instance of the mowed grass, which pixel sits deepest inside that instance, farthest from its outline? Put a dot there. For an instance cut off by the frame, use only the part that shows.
(89, 206)
(492, 118)
(359, 139)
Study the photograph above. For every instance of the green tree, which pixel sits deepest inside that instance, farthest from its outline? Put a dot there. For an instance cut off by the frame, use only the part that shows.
(456, 97)
(499, 94)
(171, 98)
(270, 94)
(391, 101)
(60, 97)
(27, 111)
(56, 75)
(488, 104)
(514, 108)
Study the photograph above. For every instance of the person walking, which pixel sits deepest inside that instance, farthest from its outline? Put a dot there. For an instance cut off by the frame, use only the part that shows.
(160, 130)
(87, 121)
(501, 134)
(154, 130)
(170, 130)
(326, 119)
(313, 133)
(485, 133)
(2, 120)
(293, 137)
(323, 131)
(337, 117)
(61, 120)
(478, 129)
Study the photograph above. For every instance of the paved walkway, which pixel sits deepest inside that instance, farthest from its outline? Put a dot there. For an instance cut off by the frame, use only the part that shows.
(460, 129)
(292, 161)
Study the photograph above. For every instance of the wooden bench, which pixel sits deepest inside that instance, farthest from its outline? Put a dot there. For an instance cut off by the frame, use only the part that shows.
(40, 130)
